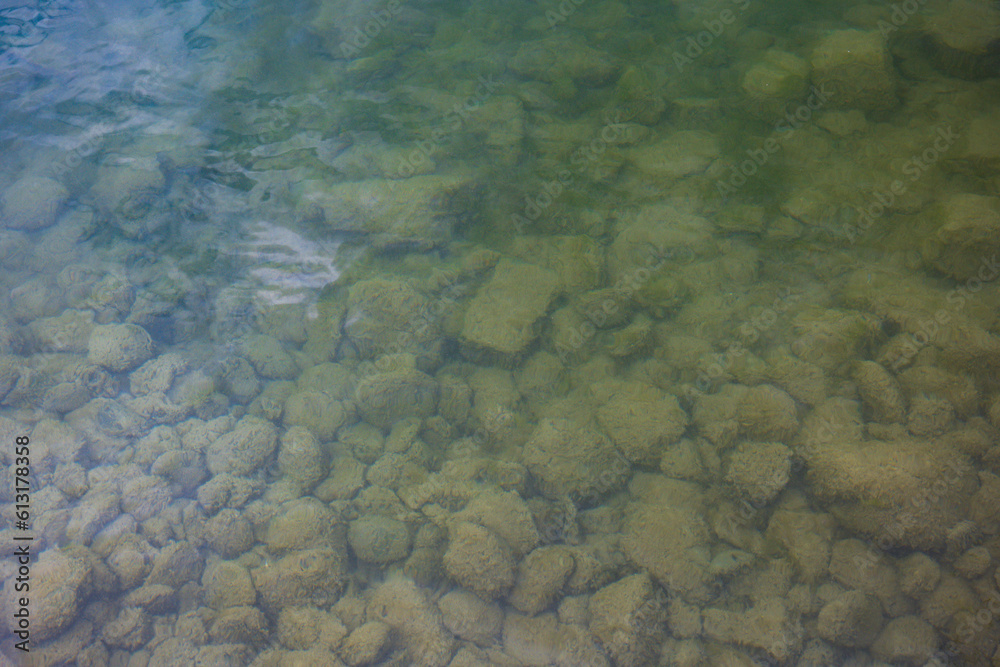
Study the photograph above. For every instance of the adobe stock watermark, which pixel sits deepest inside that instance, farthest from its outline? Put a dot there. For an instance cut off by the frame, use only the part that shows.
(453, 121)
(785, 129)
(902, 12)
(697, 44)
(563, 11)
(913, 169)
(362, 35)
(623, 292)
(893, 532)
(613, 132)
(750, 330)
(929, 328)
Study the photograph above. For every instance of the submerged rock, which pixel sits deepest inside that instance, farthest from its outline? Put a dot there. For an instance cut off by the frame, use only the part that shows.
(540, 579)
(563, 59)
(665, 533)
(60, 584)
(967, 242)
(964, 37)
(678, 155)
(32, 203)
(574, 460)
(416, 620)
(479, 560)
(303, 523)
(774, 82)
(268, 357)
(758, 471)
(880, 391)
(416, 212)
(770, 626)
(380, 540)
(640, 419)
(127, 191)
(301, 458)
(906, 640)
(874, 486)
(366, 643)
(397, 391)
(853, 70)
(628, 619)
(68, 332)
(306, 577)
(471, 618)
(387, 317)
(502, 318)
(119, 347)
(244, 449)
(852, 619)
(318, 412)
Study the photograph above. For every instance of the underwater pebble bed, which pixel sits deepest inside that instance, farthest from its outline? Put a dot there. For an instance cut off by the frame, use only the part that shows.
(502, 334)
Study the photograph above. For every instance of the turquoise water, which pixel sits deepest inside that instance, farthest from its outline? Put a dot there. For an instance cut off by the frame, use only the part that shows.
(579, 333)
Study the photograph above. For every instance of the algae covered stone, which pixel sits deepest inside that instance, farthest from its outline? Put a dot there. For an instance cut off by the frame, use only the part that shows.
(852, 619)
(228, 584)
(758, 471)
(506, 514)
(415, 619)
(637, 93)
(575, 460)
(301, 458)
(773, 82)
(32, 203)
(868, 484)
(127, 191)
(301, 523)
(68, 332)
(119, 347)
(963, 34)
(406, 212)
(395, 392)
(665, 533)
(316, 411)
(268, 357)
(471, 618)
(228, 533)
(907, 640)
(61, 583)
(628, 618)
(967, 242)
(479, 560)
(880, 392)
(377, 539)
(767, 413)
(387, 317)
(504, 315)
(646, 259)
(306, 577)
(770, 626)
(576, 260)
(540, 578)
(678, 155)
(854, 70)
(244, 449)
(560, 58)
(366, 643)
(640, 419)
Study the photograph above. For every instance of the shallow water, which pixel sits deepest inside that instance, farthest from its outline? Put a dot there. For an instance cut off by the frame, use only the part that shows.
(579, 333)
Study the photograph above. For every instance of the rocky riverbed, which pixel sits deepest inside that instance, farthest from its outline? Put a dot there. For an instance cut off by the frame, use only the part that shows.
(504, 334)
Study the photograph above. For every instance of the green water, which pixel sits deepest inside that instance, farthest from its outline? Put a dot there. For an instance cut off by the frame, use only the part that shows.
(580, 333)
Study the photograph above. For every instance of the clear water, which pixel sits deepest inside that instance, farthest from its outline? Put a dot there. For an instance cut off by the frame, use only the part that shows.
(579, 333)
